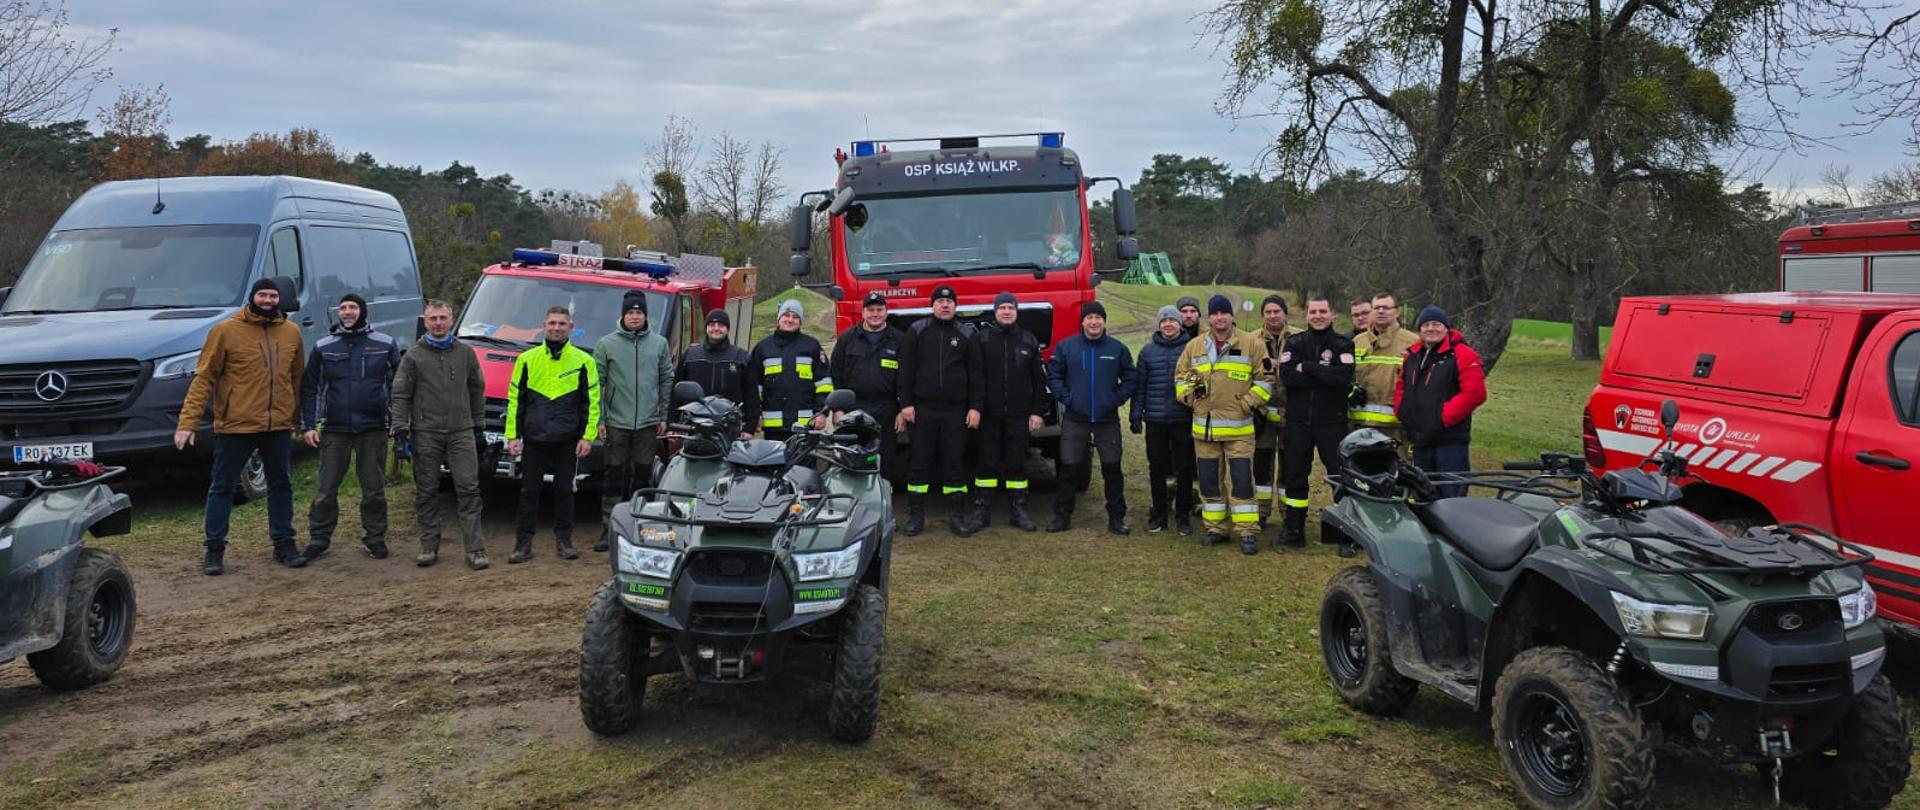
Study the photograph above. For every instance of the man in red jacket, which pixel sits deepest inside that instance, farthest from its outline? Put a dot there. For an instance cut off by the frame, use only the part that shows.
(1441, 382)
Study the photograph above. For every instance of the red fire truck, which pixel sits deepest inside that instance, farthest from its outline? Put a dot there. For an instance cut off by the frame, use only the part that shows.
(508, 308)
(1874, 248)
(982, 217)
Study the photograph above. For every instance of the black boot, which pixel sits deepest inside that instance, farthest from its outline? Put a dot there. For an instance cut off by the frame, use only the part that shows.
(916, 514)
(1018, 511)
(1117, 524)
(1249, 544)
(377, 549)
(1294, 535)
(982, 510)
(288, 554)
(564, 546)
(1116, 481)
(1213, 539)
(1157, 520)
(215, 564)
(601, 545)
(315, 549)
(522, 550)
(960, 514)
(1068, 488)
(1183, 522)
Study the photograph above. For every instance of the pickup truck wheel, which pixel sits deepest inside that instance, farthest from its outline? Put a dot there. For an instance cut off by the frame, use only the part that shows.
(612, 686)
(1568, 735)
(854, 710)
(1356, 647)
(1867, 759)
(99, 625)
(253, 480)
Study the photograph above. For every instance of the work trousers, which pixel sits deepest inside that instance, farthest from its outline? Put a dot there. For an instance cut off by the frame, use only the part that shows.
(939, 451)
(1170, 455)
(1266, 464)
(366, 451)
(1000, 454)
(456, 450)
(1302, 440)
(1224, 470)
(538, 460)
(628, 457)
(1075, 472)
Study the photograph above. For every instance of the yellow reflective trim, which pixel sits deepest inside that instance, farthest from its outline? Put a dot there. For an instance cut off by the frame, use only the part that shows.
(1241, 376)
(1181, 389)
(947, 490)
(805, 370)
(1381, 360)
(988, 483)
(1246, 517)
(1226, 432)
(1374, 417)
(1263, 394)
(771, 365)
(919, 489)
(888, 362)
(1214, 511)
(1243, 365)
(824, 388)
(1016, 485)
(1297, 503)
(1202, 368)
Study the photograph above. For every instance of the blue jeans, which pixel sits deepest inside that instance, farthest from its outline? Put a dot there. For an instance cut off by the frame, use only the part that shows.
(230, 454)
(1444, 458)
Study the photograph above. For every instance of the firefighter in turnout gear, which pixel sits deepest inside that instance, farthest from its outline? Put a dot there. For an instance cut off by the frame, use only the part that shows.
(1274, 332)
(1317, 369)
(1377, 352)
(1223, 376)
(794, 377)
(941, 396)
(1016, 403)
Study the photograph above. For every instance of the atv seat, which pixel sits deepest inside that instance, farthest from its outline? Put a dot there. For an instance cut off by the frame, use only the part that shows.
(1492, 533)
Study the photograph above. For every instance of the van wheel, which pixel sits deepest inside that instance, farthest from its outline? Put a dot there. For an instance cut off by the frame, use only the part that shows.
(99, 625)
(1568, 735)
(253, 480)
(1869, 757)
(1358, 652)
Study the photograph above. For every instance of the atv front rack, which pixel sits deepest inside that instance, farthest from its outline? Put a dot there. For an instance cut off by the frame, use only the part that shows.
(1415, 485)
(807, 517)
(1789, 548)
(37, 479)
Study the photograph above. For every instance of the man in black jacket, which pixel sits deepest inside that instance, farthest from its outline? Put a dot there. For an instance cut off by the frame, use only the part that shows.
(721, 369)
(866, 361)
(343, 411)
(794, 380)
(1317, 370)
(941, 396)
(1016, 406)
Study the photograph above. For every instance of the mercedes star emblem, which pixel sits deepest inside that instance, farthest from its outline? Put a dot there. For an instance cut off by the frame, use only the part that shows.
(50, 386)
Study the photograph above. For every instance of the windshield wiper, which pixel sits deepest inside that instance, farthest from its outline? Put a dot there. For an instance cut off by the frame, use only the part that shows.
(920, 271)
(497, 341)
(1038, 270)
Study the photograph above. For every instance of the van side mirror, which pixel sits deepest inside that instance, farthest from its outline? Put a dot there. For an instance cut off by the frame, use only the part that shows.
(1669, 414)
(800, 229)
(289, 294)
(686, 391)
(1125, 221)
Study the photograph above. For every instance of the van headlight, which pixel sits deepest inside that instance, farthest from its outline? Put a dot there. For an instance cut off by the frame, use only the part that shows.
(1857, 607)
(645, 561)
(179, 365)
(828, 565)
(1658, 620)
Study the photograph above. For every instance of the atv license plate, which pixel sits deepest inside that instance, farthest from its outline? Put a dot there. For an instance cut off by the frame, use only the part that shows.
(41, 453)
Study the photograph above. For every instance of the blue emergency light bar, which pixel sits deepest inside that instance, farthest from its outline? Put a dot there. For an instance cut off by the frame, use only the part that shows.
(1048, 140)
(548, 258)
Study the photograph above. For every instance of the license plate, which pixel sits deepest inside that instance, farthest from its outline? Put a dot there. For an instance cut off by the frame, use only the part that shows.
(39, 453)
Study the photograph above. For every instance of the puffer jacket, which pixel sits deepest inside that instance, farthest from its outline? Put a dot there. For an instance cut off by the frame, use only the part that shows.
(348, 381)
(1154, 400)
(250, 370)
(636, 378)
(1225, 386)
(439, 389)
(1091, 378)
(1377, 357)
(1439, 388)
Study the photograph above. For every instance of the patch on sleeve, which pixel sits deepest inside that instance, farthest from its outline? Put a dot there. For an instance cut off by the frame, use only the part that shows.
(1346, 359)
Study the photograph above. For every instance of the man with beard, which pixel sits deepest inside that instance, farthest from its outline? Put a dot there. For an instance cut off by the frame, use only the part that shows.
(343, 411)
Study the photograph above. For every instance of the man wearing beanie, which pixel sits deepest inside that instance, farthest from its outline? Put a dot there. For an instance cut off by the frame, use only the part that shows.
(1091, 374)
(1317, 370)
(251, 366)
(636, 381)
(344, 396)
(941, 396)
(1377, 352)
(1274, 331)
(1440, 385)
(866, 361)
(1224, 377)
(793, 374)
(722, 370)
(1164, 419)
(1016, 404)
(1189, 308)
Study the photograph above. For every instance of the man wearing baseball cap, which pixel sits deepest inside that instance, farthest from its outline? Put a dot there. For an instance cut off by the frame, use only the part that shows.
(794, 380)
(636, 381)
(721, 369)
(866, 361)
(941, 396)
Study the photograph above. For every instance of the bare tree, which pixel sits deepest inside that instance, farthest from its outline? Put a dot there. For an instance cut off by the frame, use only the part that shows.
(677, 150)
(46, 72)
(764, 181)
(1839, 182)
(1899, 185)
(722, 186)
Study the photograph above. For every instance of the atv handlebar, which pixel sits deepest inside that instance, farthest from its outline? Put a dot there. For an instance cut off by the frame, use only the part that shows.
(1522, 465)
(37, 478)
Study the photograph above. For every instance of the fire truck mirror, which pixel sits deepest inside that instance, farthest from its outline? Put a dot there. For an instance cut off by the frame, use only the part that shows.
(1124, 220)
(1127, 247)
(1669, 414)
(841, 199)
(800, 229)
(799, 264)
(836, 292)
(856, 216)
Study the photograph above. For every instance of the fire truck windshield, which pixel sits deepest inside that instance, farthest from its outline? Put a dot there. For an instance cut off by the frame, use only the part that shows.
(513, 310)
(956, 233)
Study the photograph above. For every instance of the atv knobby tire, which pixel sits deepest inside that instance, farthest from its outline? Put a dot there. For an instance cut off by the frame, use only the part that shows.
(1356, 648)
(1870, 755)
(612, 685)
(854, 709)
(1568, 735)
(98, 628)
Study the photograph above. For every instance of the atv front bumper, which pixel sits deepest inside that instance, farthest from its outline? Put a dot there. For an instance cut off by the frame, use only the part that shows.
(736, 632)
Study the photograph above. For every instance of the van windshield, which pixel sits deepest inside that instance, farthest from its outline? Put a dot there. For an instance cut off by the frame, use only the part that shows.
(513, 310)
(159, 267)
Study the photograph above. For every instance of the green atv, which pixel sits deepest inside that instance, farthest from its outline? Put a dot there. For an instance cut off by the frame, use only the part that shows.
(68, 608)
(750, 559)
(1593, 623)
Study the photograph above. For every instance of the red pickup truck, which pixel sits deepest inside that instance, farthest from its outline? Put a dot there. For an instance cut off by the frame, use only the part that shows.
(1795, 407)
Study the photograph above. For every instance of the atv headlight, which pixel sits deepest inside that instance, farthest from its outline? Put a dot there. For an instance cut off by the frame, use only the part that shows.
(1857, 607)
(828, 565)
(645, 561)
(1657, 620)
(179, 365)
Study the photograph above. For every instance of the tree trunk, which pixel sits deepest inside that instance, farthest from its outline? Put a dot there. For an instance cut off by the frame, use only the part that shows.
(1587, 302)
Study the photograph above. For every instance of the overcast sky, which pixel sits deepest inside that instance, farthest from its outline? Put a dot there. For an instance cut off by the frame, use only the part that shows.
(567, 93)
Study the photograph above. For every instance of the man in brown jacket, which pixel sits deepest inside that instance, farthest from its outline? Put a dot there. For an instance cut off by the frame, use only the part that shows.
(438, 399)
(250, 373)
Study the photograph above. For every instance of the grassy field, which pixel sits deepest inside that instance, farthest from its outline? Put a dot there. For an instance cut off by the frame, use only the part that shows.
(1023, 670)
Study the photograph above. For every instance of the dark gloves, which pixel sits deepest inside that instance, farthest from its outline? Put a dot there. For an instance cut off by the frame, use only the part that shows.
(403, 444)
(1138, 426)
(1356, 397)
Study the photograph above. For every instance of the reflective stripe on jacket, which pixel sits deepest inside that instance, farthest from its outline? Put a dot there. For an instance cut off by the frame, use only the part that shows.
(1377, 357)
(794, 378)
(1225, 386)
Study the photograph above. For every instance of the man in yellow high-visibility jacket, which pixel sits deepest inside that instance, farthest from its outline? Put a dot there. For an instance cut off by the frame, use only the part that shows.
(553, 413)
(1224, 377)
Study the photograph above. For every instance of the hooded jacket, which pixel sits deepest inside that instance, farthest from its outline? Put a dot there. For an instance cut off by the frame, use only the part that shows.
(438, 390)
(1155, 400)
(1439, 387)
(349, 381)
(1091, 378)
(794, 378)
(636, 378)
(249, 370)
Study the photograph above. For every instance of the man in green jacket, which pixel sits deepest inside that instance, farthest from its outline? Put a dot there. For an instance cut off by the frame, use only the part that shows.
(439, 396)
(553, 414)
(636, 380)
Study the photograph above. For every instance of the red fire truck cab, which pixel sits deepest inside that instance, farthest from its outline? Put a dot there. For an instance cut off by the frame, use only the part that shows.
(982, 218)
(1874, 248)
(507, 311)
(1796, 407)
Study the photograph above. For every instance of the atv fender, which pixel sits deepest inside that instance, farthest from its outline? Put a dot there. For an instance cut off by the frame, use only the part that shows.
(33, 599)
(1554, 595)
